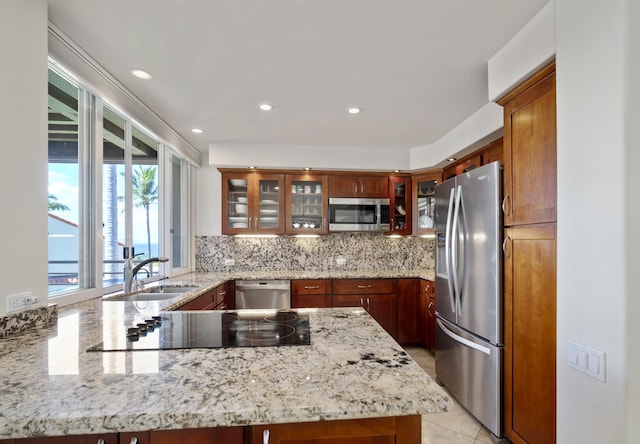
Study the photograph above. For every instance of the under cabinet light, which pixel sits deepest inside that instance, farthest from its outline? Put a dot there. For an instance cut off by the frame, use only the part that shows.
(451, 159)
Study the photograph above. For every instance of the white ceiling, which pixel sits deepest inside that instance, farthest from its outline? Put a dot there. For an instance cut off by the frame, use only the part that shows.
(416, 67)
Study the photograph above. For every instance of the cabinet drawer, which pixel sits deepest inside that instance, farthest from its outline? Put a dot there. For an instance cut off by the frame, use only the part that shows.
(364, 286)
(310, 286)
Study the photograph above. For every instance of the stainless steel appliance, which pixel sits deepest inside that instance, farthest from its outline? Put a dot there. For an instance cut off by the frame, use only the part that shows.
(212, 329)
(359, 214)
(469, 308)
(263, 294)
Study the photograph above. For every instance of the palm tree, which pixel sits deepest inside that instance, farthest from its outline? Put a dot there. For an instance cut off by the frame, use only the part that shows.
(54, 205)
(145, 192)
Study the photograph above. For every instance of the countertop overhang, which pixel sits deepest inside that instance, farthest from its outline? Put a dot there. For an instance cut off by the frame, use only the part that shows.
(352, 369)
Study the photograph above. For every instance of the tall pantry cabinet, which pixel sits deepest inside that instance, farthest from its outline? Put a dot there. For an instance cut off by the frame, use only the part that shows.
(529, 250)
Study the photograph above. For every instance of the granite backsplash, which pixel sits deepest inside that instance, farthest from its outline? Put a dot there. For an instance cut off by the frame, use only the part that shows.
(361, 251)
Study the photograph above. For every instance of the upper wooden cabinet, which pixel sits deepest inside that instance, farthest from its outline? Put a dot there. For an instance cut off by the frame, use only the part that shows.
(400, 204)
(462, 166)
(530, 151)
(307, 204)
(358, 186)
(252, 203)
(423, 202)
(489, 153)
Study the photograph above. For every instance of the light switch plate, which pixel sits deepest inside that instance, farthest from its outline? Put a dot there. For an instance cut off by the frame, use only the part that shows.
(586, 360)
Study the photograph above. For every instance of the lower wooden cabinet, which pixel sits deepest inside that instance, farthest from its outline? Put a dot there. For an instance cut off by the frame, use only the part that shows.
(530, 334)
(221, 297)
(398, 430)
(428, 314)
(311, 293)
(377, 296)
(409, 325)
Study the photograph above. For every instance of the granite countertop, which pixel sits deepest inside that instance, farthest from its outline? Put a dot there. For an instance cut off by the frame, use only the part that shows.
(53, 386)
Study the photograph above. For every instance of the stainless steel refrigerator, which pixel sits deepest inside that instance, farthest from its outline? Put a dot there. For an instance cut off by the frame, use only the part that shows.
(469, 303)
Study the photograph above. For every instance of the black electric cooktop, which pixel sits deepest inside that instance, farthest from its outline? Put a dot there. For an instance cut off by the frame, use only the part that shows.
(212, 329)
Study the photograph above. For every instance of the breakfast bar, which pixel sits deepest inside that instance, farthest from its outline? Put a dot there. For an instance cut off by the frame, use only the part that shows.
(350, 370)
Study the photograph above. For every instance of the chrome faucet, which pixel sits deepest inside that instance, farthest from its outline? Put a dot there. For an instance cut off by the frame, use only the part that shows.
(130, 271)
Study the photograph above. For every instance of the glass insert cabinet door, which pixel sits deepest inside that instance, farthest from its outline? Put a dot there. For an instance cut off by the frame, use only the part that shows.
(400, 193)
(306, 204)
(424, 204)
(253, 203)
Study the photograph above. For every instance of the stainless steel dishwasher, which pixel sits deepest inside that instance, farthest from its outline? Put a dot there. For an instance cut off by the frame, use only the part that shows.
(263, 294)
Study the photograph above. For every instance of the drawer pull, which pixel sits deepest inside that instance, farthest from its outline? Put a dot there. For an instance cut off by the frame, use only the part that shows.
(311, 287)
(265, 437)
(364, 286)
(134, 440)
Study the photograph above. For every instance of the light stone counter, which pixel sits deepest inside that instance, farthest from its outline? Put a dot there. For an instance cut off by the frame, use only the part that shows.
(53, 386)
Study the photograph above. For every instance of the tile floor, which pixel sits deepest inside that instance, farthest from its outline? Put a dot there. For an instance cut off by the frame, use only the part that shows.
(456, 426)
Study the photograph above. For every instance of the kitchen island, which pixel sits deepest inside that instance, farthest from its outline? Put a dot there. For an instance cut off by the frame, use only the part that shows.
(351, 370)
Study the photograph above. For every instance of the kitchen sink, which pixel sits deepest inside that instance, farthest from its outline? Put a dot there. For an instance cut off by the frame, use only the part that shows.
(169, 289)
(146, 297)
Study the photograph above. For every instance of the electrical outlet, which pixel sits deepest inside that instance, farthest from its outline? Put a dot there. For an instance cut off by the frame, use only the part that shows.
(341, 261)
(22, 300)
(229, 262)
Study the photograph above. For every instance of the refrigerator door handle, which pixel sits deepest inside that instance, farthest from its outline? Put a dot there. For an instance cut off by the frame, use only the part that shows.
(447, 248)
(460, 339)
(456, 249)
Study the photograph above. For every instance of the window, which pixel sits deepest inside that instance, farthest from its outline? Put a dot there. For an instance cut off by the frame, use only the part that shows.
(105, 176)
(180, 208)
(64, 183)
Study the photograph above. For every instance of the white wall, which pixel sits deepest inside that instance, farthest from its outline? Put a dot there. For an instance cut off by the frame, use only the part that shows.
(595, 289)
(23, 126)
(521, 56)
(208, 201)
(632, 162)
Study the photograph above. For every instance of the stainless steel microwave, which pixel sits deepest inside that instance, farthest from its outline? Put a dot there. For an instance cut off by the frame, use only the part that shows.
(358, 214)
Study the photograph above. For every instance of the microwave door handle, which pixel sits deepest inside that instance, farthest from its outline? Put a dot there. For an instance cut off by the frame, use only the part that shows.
(447, 248)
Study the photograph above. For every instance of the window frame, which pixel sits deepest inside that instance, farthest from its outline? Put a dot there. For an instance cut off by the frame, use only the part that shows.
(90, 257)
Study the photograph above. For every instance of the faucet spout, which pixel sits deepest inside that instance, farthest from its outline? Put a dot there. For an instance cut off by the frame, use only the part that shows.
(130, 271)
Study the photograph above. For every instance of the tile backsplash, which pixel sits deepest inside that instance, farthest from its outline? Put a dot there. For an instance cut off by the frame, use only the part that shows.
(360, 251)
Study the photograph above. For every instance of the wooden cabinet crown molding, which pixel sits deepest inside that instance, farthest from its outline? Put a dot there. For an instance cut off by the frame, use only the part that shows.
(544, 71)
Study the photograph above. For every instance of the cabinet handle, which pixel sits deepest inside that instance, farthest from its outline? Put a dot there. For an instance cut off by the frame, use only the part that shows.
(134, 440)
(222, 293)
(504, 205)
(265, 437)
(506, 240)
(100, 441)
(362, 302)
(368, 305)
(429, 309)
(427, 288)
(311, 287)
(364, 286)
(362, 188)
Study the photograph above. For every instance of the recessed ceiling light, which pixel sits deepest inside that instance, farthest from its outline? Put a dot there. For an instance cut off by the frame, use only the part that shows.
(265, 107)
(196, 130)
(141, 73)
(451, 159)
(354, 110)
